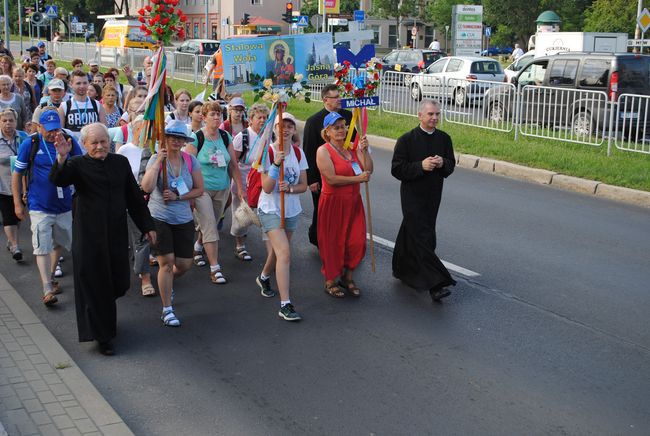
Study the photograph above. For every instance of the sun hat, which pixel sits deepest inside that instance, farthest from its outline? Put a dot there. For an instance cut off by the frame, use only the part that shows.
(50, 120)
(56, 84)
(286, 116)
(178, 129)
(331, 118)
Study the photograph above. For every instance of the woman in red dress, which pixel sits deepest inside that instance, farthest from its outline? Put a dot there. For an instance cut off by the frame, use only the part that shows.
(341, 219)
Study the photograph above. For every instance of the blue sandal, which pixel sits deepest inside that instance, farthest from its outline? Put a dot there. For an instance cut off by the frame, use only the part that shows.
(169, 319)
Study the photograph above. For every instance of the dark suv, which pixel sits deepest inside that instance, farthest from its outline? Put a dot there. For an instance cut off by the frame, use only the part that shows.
(552, 103)
(410, 60)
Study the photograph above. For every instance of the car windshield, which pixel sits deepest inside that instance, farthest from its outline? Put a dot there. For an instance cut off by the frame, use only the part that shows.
(430, 57)
(210, 46)
(634, 74)
(486, 67)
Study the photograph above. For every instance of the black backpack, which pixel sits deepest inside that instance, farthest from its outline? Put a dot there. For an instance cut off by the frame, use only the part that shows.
(200, 138)
(28, 173)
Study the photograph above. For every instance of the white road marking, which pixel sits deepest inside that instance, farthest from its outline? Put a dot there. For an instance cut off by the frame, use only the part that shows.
(458, 269)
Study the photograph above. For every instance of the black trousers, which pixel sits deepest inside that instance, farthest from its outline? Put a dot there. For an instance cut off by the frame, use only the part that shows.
(313, 228)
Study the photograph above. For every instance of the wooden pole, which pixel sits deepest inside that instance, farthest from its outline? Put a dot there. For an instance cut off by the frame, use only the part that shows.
(373, 261)
(281, 133)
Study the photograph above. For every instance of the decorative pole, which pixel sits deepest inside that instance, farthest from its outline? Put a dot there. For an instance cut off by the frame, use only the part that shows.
(281, 133)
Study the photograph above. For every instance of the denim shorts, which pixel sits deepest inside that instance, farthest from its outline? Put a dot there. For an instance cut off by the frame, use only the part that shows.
(271, 221)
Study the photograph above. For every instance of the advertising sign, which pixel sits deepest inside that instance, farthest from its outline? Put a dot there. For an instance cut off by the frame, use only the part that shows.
(247, 62)
(467, 22)
(331, 6)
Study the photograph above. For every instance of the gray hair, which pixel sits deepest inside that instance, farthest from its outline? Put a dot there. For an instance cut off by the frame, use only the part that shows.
(85, 131)
(426, 102)
(5, 78)
(258, 108)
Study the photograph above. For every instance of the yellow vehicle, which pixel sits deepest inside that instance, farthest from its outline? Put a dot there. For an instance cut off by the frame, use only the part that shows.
(119, 40)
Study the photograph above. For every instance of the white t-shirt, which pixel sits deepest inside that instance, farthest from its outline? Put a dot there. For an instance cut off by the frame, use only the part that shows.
(244, 167)
(435, 45)
(134, 154)
(270, 203)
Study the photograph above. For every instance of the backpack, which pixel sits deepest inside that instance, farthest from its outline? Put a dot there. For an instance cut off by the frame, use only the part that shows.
(254, 180)
(200, 139)
(187, 159)
(28, 173)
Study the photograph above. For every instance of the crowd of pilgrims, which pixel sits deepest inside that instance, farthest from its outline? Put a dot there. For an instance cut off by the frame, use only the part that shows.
(209, 152)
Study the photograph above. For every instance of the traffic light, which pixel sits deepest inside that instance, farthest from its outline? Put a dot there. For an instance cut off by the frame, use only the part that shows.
(245, 21)
(41, 5)
(288, 13)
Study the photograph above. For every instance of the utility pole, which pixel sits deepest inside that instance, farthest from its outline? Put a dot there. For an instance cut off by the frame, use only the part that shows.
(637, 31)
(6, 18)
(20, 25)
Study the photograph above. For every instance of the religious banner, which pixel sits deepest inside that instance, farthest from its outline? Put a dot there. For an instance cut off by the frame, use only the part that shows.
(248, 62)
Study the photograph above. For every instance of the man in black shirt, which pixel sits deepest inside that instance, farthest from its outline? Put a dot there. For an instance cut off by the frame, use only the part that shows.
(312, 140)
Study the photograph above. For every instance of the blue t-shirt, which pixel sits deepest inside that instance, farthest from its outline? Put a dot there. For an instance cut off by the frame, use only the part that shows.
(178, 211)
(215, 177)
(42, 194)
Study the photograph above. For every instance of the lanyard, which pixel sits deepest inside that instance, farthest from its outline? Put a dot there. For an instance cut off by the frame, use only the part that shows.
(44, 144)
(79, 110)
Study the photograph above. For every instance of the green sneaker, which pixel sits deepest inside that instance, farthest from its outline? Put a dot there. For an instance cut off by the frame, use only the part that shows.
(265, 287)
(288, 313)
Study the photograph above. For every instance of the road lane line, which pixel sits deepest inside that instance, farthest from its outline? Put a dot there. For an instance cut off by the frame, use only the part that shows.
(453, 267)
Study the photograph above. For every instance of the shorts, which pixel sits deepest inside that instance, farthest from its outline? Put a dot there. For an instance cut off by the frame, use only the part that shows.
(7, 210)
(50, 230)
(208, 210)
(176, 239)
(271, 221)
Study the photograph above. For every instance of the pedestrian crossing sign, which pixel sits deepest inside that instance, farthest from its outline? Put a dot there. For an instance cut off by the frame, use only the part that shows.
(302, 21)
(52, 11)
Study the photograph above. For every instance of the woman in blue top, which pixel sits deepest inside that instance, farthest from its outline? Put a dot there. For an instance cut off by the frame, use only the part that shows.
(170, 208)
(219, 166)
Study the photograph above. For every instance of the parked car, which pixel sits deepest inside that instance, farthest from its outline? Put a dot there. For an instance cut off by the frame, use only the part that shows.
(199, 46)
(410, 60)
(512, 69)
(494, 51)
(612, 74)
(455, 77)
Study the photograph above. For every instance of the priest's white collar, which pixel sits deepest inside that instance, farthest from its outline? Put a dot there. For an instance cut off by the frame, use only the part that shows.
(426, 131)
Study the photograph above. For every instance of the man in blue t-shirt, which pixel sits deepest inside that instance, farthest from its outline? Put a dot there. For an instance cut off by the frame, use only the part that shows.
(50, 207)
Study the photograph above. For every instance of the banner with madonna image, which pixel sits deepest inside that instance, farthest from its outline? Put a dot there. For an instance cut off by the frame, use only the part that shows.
(249, 62)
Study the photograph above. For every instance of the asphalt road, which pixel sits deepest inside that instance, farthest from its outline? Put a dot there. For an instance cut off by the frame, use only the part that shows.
(551, 338)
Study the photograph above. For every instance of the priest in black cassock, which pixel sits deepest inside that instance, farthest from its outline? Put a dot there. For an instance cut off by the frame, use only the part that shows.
(422, 159)
(312, 139)
(105, 190)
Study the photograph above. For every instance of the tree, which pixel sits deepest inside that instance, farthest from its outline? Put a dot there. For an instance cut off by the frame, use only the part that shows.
(611, 16)
(518, 15)
(396, 9)
(310, 8)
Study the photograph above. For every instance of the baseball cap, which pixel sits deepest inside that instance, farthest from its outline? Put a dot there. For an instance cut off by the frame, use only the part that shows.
(286, 116)
(56, 84)
(40, 44)
(32, 49)
(93, 63)
(50, 120)
(331, 118)
(237, 101)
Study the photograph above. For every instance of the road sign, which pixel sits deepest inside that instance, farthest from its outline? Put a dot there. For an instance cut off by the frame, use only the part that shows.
(52, 11)
(644, 20)
(360, 16)
(638, 42)
(414, 31)
(338, 21)
(488, 32)
(303, 21)
(74, 19)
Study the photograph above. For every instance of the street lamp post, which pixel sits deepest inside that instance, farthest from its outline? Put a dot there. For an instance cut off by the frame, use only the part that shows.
(446, 43)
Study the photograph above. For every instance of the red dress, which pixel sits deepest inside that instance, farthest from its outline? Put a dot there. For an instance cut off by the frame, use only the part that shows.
(341, 220)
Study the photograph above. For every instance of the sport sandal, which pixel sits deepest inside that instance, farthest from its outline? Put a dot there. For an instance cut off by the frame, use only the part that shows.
(169, 319)
(242, 254)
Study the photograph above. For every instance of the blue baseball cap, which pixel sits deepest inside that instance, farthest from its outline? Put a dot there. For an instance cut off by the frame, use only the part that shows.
(50, 120)
(40, 44)
(331, 118)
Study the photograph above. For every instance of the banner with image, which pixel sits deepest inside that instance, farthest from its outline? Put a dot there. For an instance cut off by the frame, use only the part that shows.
(247, 62)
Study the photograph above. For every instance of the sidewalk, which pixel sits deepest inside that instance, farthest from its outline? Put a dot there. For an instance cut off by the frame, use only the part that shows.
(42, 391)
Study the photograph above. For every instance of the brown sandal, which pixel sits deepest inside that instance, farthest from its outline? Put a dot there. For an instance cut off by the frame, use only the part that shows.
(351, 287)
(334, 290)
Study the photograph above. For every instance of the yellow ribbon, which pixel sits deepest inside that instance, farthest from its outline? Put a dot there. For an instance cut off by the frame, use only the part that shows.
(356, 113)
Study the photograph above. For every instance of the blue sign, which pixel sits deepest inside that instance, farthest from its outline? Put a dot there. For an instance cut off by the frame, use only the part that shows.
(52, 11)
(360, 16)
(303, 21)
(74, 19)
(358, 60)
(488, 32)
(350, 103)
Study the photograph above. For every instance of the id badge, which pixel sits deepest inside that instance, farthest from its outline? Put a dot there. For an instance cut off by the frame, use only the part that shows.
(181, 187)
(356, 168)
(221, 160)
(59, 192)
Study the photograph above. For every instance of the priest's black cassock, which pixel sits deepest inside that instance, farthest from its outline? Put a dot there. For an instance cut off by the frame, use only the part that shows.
(105, 189)
(414, 258)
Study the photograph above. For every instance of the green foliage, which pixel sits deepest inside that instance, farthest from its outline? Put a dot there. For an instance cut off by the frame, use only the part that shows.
(393, 8)
(611, 16)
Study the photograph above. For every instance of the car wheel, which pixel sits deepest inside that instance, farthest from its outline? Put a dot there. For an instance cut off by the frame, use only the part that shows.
(416, 92)
(582, 124)
(460, 97)
(496, 113)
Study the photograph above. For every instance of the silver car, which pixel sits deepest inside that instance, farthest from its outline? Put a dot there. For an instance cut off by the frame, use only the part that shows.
(459, 78)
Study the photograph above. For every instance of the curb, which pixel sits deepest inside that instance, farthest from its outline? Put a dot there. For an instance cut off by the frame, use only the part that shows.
(545, 177)
(91, 400)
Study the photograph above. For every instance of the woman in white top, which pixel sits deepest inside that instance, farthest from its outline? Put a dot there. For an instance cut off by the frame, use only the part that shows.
(293, 182)
(182, 99)
(243, 143)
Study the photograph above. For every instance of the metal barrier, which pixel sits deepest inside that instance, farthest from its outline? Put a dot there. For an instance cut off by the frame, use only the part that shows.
(570, 115)
(480, 103)
(632, 123)
(395, 96)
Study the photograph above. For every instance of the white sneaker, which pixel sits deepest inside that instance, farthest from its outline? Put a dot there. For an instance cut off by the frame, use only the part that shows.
(58, 272)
